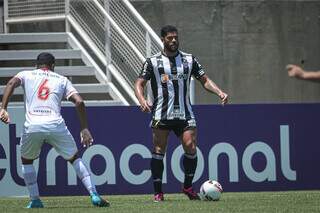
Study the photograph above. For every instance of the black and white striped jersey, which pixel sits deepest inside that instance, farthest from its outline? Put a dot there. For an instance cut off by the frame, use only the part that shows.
(170, 83)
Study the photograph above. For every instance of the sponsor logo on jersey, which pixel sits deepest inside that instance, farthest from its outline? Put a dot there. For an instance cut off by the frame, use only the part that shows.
(173, 77)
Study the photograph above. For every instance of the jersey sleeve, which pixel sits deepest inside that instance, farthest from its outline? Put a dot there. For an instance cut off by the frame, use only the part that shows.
(197, 70)
(21, 76)
(69, 89)
(146, 71)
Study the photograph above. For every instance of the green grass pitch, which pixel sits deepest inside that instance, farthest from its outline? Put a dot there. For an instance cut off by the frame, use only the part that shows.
(289, 201)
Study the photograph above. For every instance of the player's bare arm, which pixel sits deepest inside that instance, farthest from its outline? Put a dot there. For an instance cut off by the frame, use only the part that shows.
(298, 72)
(210, 86)
(86, 137)
(11, 85)
(139, 92)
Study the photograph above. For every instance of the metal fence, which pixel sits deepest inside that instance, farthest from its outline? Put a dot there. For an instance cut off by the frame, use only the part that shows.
(134, 26)
(113, 30)
(90, 20)
(27, 8)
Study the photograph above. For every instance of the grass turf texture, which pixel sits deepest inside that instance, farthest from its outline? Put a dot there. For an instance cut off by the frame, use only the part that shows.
(289, 201)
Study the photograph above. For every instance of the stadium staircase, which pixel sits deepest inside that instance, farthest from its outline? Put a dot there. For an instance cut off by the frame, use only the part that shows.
(73, 61)
(101, 50)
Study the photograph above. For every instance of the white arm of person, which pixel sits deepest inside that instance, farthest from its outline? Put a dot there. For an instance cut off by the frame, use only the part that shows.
(86, 138)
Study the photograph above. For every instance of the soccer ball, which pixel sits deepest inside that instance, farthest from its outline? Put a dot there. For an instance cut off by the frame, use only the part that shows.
(210, 190)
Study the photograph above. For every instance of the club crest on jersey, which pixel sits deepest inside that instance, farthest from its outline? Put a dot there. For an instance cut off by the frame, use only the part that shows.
(165, 78)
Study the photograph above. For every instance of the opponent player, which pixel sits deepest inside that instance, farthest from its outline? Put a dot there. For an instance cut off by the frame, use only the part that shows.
(44, 91)
(169, 72)
(298, 72)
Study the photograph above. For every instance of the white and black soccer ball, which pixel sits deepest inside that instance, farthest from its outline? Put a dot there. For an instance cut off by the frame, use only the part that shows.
(210, 190)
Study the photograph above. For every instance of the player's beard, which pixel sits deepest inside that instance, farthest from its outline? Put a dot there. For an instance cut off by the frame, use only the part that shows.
(172, 47)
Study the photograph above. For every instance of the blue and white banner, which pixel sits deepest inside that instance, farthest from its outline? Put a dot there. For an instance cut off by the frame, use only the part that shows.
(245, 147)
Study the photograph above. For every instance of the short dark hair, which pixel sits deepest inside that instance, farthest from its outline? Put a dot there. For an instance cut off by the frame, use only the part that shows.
(168, 29)
(45, 58)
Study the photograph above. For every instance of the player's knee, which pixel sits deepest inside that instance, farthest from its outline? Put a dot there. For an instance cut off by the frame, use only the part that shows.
(191, 150)
(159, 149)
(26, 161)
(190, 146)
(159, 145)
(190, 142)
(73, 158)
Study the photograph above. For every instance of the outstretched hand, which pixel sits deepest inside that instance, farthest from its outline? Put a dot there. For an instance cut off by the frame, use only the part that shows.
(224, 98)
(4, 116)
(86, 138)
(294, 71)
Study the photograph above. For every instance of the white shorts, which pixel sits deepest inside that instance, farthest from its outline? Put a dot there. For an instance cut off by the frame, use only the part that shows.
(62, 142)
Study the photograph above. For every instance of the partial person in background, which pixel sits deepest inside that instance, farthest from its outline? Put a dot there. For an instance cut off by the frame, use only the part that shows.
(298, 72)
(43, 93)
(170, 72)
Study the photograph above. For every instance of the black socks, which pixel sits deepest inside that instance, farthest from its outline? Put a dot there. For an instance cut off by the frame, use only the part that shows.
(190, 165)
(157, 171)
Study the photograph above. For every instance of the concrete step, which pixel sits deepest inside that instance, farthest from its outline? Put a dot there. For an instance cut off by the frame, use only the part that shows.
(13, 38)
(63, 70)
(12, 55)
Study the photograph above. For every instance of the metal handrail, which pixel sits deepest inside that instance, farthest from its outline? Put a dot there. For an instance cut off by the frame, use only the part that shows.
(143, 23)
(119, 30)
(102, 58)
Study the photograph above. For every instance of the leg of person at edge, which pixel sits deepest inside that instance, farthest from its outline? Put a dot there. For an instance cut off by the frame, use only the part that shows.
(44, 91)
(169, 73)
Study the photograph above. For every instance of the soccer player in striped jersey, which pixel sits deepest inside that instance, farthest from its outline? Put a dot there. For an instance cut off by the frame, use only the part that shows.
(169, 72)
(43, 93)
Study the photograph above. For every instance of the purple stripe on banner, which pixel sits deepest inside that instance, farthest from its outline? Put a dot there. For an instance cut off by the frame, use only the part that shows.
(246, 147)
